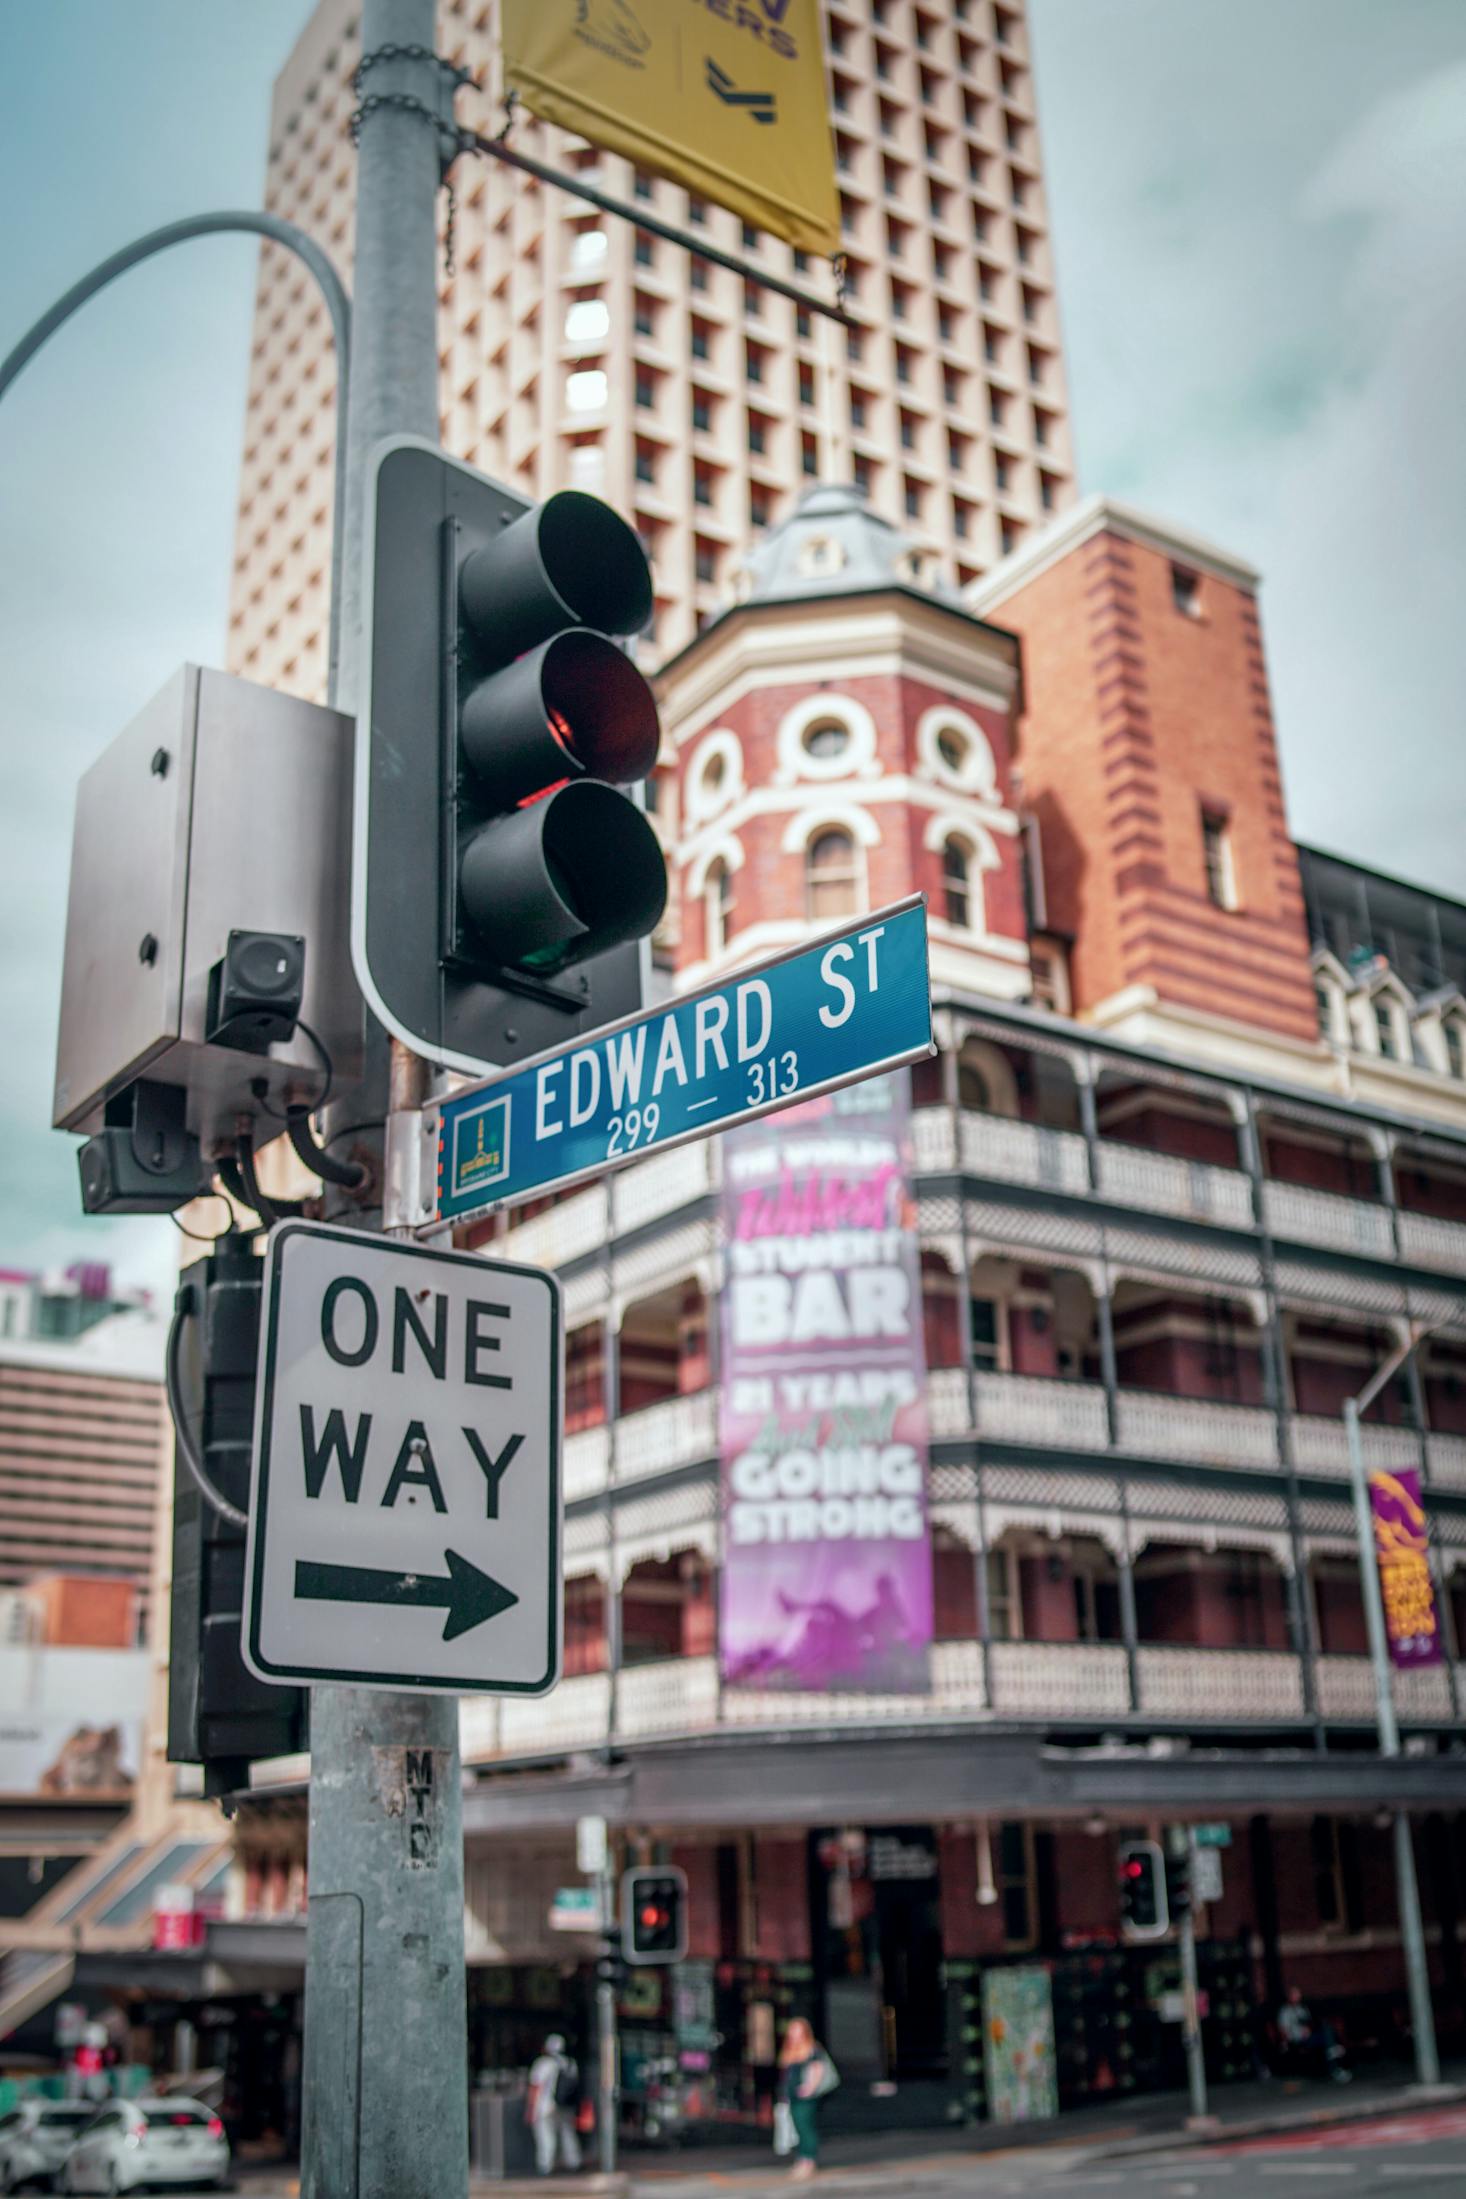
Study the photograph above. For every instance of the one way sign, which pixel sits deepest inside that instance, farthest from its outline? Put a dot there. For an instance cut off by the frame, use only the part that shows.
(404, 1525)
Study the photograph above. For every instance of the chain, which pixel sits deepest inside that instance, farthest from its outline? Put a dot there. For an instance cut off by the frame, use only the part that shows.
(452, 139)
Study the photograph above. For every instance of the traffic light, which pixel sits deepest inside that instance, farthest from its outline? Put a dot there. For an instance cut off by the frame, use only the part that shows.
(1144, 1913)
(654, 1915)
(505, 880)
(1178, 1872)
(219, 1714)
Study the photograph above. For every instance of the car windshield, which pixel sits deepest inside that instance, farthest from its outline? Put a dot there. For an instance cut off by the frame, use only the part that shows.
(65, 2118)
(175, 2118)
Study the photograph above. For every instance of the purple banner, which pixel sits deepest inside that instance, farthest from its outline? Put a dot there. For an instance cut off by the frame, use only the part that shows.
(827, 1577)
(1401, 1546)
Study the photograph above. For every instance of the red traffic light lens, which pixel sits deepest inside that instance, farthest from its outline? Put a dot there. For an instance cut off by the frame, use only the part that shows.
(1134, 1868)
(653, 1920)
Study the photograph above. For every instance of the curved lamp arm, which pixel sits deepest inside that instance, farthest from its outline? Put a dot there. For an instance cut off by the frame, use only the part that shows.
(338, 305)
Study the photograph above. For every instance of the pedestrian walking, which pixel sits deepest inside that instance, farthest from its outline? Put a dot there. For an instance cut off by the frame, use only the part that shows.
(554, 2095)
(806, 2076)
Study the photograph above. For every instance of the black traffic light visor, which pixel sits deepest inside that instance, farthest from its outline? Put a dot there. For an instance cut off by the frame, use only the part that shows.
(574, 705)
(571, 561)
(560, 880)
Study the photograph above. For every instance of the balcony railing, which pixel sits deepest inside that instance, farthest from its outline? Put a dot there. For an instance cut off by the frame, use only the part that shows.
(1164, 1184)
(587, 1461)
(1346, 1691)
(677, 1432)
(1030, 1408)
(1060, 1680)
(1432, 1242)
(1196, 1428)
(1447, 1456)
(660, 1186)
(1235, 1685)
(1079, 1682)
(1324, 1218)
(573, 1715)
(562, 1233)
(1022, 1152)
(1320, 1446)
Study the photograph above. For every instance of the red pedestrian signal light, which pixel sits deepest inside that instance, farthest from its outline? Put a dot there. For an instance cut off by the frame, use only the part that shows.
(654, 1914)
(1144, 1910)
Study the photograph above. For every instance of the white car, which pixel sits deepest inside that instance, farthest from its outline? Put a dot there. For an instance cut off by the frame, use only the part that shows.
(35, 2138)
(129, 2143)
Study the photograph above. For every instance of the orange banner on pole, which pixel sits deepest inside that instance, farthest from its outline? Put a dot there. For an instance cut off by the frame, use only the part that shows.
(725, 97)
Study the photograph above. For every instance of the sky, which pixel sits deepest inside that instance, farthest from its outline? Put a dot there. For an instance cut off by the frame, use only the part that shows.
(1257, 214)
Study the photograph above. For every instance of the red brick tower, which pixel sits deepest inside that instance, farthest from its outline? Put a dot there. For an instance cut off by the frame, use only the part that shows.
(1147, 755)
(843, 738)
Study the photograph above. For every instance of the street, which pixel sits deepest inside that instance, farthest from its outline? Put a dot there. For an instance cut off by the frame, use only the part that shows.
(1421, 2150)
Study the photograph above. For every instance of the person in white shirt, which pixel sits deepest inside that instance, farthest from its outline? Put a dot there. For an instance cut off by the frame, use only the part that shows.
(554, 2081)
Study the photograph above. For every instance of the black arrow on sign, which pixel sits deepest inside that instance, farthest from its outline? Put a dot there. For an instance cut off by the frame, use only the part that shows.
(469, 1595)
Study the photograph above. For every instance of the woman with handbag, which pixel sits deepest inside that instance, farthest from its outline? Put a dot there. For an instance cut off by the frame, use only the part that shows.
(806, 2075)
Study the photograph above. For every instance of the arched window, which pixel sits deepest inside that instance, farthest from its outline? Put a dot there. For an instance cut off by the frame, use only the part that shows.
(955, 883)
(831, 881)
(718, 907)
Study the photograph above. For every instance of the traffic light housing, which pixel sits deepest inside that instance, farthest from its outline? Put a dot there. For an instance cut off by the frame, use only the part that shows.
(1178, 1873)
(1144, 1911)
(654, 1914)
(505, 881)
(219, 1714)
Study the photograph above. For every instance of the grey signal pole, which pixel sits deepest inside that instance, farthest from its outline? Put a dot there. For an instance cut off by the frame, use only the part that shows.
(385, 2106)
(1407, 1890)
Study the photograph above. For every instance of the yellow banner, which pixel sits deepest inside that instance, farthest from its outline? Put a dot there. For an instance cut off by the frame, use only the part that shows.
(726, 97)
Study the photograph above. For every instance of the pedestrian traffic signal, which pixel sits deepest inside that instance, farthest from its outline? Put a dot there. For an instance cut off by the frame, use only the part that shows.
(1144, 1913)
(505, 879)
(1178, 1872)
(219, 1714)
(654, 1915)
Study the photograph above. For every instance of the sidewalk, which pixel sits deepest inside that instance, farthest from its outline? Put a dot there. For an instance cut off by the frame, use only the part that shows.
(1115, 2131)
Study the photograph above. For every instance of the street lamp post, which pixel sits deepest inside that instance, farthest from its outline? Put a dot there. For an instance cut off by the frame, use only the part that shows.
(1412, 1934)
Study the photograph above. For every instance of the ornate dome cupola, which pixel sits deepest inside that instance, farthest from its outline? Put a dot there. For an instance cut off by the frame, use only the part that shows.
(832, 543)
(843, 738)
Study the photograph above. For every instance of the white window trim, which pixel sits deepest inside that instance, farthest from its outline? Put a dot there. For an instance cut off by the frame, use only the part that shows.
(858, 759)
(982, 856)
(807, 824)
(979, 773)
(699, 800)
(726, 850)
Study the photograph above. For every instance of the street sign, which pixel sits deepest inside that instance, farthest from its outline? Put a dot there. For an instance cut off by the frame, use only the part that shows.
(1206, 1874)
(590, 1845)
(853, 1003)
(576, 1909)
(404, 1527)
(1212, 1836)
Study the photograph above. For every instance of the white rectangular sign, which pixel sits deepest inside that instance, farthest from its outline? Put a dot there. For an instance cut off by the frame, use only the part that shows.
(405, 1507)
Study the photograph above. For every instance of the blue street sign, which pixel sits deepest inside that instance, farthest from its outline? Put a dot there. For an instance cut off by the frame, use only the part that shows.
(854, 1003)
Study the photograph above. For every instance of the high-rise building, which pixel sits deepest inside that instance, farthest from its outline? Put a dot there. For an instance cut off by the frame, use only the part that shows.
(81, 1445)
(580, 351)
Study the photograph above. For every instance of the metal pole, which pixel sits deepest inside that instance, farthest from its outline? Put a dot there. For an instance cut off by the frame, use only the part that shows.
(385, 2095)
(607, 2045)
(1412, 1932)
(1191, 2017)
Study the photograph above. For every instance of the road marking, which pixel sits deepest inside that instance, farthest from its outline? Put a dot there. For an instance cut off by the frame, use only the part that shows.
(1313, 2168)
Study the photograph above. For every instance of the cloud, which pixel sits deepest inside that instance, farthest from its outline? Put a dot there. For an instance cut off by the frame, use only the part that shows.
(1265, 303)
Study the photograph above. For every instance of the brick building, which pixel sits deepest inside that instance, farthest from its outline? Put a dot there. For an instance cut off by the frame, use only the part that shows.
(1190, 1159)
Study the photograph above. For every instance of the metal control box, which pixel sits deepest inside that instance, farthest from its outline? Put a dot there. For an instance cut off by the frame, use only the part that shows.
(222, 807)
